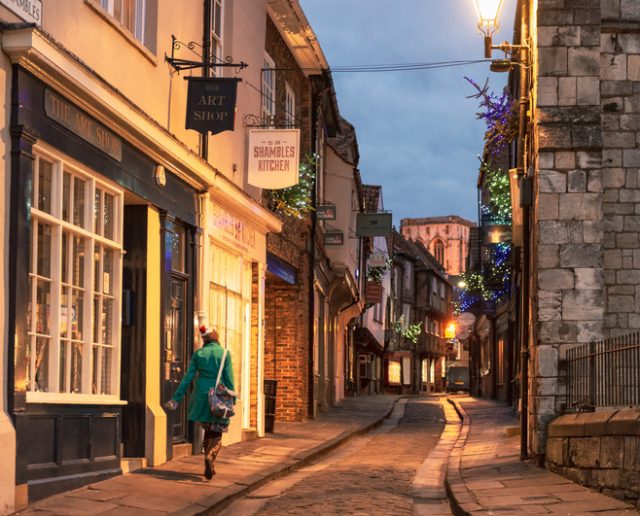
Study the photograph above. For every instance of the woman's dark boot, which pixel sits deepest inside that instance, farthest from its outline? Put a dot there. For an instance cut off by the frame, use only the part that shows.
(212, 446)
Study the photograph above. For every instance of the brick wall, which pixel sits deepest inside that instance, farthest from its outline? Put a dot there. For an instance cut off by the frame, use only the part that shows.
(587, 211)
(287, 319)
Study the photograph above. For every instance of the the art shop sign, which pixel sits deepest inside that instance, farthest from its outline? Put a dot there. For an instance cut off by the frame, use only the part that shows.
(274, 157)
(211, 104)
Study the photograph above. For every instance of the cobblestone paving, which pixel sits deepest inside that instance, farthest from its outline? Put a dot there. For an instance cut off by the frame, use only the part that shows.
(373, 478)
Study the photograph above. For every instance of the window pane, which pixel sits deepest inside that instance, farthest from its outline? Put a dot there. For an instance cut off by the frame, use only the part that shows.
(97, 363)
(64, 313)
(105, 386)
(45, 189)
(107, 321)
(76, 367)
(43, 303)
(78, 261)
(97, 212)
(96, 320)
(42, 365)
(79, 187)
(66, 196)
(97, 271)
(77, 314)
(65, 257)
(44, 250)
(217, 18)
(107, 272)
(177, 248)
(108, 215)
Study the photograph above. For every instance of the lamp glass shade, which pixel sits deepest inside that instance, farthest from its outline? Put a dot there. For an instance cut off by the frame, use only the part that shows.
(450, 331)
(488, 14)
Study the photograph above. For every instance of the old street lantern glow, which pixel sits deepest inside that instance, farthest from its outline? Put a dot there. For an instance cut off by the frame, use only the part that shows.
(488, 14)
(450, 331)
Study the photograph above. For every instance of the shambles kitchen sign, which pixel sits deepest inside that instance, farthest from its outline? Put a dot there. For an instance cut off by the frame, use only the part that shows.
(86, 128)
(274, 157)
(211, 104)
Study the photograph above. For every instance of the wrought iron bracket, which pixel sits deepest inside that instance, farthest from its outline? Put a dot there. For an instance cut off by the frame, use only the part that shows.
(261, 122)
(179, 64)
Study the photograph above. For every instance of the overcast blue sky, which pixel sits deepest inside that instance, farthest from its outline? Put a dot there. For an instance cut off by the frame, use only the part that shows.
(417, 133)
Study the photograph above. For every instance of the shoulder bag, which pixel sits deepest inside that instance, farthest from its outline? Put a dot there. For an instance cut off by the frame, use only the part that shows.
(221, 399)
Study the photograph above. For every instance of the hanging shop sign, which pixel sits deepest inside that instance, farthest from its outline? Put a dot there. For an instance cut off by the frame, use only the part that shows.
(373, 224)
(211, 104)
(326, 211)
(333, 237)
(373, 293)
(69, 116)
(274, 158)
(29, 10)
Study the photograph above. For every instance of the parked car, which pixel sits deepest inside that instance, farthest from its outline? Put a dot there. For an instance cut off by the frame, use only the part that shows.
(457, 379)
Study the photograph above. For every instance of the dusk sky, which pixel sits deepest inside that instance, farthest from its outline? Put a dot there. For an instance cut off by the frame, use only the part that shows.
(417, 133)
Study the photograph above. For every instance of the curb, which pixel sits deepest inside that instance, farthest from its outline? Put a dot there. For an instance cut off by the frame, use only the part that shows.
(461, 499)
(215, 503)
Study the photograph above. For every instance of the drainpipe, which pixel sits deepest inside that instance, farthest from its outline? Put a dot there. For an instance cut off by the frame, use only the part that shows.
(523, 7)
(312, 257)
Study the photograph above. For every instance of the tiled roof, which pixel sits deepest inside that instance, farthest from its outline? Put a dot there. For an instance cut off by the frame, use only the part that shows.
(371, 195)
(345, 143)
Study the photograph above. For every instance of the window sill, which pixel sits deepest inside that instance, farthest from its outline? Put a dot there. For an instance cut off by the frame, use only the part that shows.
(73, 399)
(150, 56)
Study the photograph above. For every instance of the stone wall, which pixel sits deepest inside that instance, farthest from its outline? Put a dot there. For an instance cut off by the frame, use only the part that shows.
(598, 450)
(587, 211)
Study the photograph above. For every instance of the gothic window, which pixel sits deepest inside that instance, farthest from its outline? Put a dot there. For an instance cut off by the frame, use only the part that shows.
(438, 251)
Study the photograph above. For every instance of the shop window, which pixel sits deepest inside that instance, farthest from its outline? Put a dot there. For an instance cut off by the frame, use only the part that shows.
(137, 17)
(268, 91)
(365, 367)
(75, 273)
(393, 372)
(229, 302)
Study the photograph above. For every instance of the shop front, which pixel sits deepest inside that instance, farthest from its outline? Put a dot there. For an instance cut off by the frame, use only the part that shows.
(236, 266)
(101, 294)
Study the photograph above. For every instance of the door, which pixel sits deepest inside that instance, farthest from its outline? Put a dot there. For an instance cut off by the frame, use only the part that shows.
(176, 329)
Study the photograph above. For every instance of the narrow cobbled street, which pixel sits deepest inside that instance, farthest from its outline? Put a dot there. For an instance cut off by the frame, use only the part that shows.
(373, 474)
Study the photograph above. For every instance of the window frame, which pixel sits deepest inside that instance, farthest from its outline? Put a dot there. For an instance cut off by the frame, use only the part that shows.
(92, 284)
(217, 39)
(268, 91)
(289, 106)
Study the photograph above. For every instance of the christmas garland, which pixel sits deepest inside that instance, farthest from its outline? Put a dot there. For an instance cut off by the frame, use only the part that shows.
(297, 200)
(411, 332)
(499, 189)
(499, 114)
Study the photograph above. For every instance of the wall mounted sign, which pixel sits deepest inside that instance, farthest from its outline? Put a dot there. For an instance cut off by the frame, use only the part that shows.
(69, 116)
(28, 10)
(231, 229)
(211, 104)
(334, 237)
(373, 224)
(326, 211)
(373, 293)
(282, 269)
(274, 158)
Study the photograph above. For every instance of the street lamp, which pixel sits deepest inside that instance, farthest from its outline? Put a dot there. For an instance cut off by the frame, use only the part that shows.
(488, 24)
(488, 21)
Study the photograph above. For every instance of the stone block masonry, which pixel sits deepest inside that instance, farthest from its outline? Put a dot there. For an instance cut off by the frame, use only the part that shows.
(587, 214)
(600, 450)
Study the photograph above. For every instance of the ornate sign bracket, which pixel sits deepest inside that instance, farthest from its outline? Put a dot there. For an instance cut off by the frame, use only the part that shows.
(274, 122)
(187, 64)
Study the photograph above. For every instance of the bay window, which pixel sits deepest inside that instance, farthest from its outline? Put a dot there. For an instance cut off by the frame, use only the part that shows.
(75, 276)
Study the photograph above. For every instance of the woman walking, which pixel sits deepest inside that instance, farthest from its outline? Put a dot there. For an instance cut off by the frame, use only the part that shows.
(207, 362)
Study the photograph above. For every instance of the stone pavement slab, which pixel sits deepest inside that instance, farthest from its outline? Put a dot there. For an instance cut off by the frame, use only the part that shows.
(178, 487)
(485, 474)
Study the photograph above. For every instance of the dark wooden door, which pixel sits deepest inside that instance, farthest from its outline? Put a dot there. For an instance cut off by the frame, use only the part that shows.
(177, 352)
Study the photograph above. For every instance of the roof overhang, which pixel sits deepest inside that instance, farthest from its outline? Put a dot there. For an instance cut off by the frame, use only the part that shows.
(297, 33)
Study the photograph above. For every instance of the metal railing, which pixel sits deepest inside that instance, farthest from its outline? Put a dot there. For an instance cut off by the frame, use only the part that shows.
(604, 373)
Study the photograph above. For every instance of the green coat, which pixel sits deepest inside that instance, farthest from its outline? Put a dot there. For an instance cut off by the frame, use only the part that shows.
(206, 362)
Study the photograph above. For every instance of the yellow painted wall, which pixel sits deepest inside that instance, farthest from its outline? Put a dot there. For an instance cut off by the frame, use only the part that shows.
(155, 416)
